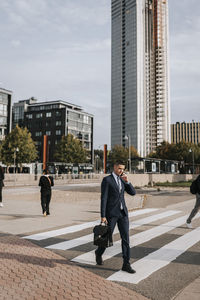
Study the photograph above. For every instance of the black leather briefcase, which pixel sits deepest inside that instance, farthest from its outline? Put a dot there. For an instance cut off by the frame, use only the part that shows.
(102, 235)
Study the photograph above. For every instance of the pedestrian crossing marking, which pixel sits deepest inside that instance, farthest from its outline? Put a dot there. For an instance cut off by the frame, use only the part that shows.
(136, 239)
(89, 238)
(158, 259)
(79, 227)
(145, 266)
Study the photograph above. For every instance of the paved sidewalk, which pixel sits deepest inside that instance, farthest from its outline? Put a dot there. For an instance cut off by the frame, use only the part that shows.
(33, 273)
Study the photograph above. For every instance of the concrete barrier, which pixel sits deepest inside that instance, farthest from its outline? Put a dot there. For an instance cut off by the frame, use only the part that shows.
(138, 180)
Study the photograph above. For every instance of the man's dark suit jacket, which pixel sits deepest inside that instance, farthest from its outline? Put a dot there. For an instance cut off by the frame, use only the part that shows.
(111, 198)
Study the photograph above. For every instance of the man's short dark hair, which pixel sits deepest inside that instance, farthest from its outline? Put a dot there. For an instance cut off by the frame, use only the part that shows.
(119, 162)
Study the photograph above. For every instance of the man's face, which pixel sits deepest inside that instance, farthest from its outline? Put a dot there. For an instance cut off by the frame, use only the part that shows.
(119, 169)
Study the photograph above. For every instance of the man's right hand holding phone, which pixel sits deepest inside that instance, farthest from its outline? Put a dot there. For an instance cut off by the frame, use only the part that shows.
(124, 177)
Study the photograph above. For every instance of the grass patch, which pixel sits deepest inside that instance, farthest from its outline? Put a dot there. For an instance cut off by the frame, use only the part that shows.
(174, 184)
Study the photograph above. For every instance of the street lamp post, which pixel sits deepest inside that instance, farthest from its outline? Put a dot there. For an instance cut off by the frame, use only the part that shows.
(190, 150)
(97, 163)
(15, 152)
(128, 137)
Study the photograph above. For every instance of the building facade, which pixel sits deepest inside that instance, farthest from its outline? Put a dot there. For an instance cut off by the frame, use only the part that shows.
(140, 86)
(187, 132)
(5, 112)
(55, 119)
(18, 110)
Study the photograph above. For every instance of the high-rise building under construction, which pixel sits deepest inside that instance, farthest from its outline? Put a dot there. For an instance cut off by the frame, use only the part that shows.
(140, 77)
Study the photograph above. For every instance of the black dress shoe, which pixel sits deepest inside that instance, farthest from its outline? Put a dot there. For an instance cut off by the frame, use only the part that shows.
(127, 268)
(48, 213)
(99, 259)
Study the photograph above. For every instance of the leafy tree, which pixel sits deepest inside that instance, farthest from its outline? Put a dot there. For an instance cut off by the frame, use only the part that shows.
(180, 151)
(119, 153)
(19, 138)
(164, 151)
(70, 150)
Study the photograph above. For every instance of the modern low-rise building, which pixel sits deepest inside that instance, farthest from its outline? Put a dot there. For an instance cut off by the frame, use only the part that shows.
(55, 119)
(5, 112)
(188, 132)
(18, 110)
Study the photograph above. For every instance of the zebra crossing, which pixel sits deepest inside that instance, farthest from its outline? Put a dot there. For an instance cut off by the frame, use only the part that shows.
(145, 266)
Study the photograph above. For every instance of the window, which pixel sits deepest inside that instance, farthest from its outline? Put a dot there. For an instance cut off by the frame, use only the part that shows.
(38, 115)
(38, 143)
(58, 113)
(30, 116)
(48, 132)
(48, 114)
(3, 121)
(86, 137)
(3, 110)
(38, 133)
(58, 123)
(58, 132)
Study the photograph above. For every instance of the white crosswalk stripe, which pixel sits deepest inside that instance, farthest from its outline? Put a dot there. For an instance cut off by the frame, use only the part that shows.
(88, 238)
(136, 239)
(158, 259)
(144, 267)
(79, 227)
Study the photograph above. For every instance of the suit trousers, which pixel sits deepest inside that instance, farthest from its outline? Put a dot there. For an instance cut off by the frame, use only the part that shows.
(123, 225)
(195, 209)
(45, 200)
(0, 193)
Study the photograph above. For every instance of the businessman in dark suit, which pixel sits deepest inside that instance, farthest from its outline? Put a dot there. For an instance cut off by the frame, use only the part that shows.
(114, 211)
(46, 182)
(1, 184)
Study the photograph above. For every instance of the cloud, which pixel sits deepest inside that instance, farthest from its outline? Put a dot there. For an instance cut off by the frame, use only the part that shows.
(15, 43)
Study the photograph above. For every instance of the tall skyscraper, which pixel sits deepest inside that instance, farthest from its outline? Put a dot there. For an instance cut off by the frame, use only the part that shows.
(140, 85)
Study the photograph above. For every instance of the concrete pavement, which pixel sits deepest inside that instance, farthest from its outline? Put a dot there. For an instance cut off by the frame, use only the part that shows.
(30, 272)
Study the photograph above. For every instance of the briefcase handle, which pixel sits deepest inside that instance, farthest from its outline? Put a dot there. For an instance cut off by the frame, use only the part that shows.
(103, 224)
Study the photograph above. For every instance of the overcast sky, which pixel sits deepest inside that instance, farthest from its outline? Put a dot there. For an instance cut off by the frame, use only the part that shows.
(60, 50)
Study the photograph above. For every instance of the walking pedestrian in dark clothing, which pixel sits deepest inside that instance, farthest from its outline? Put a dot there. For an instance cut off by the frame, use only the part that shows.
(197, 204)
(46, 182)
(1, 184)
(114, 211)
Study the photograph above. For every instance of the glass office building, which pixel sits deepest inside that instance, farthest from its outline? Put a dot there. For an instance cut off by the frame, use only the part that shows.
(56, 119)
(5, 112)
(140, 85)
